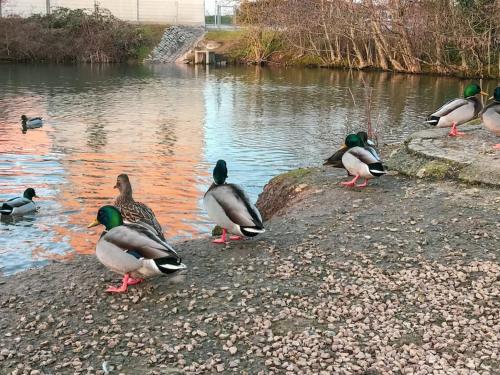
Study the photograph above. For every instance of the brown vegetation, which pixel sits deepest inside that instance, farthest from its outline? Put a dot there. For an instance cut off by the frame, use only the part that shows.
(75, 36)
(444, 36)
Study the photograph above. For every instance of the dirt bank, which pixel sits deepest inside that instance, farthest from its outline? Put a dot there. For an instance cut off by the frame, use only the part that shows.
(401, 277)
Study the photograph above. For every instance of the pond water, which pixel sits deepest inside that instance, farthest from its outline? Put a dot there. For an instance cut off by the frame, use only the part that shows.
(166, 126)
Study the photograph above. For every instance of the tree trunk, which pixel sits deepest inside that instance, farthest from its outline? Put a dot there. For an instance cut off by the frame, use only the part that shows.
(359, 55)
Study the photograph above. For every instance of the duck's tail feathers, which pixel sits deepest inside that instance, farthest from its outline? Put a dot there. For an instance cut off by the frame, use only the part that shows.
(6, 209)
(376, 169)
(433, 120)
(169, 264)
(252, 231)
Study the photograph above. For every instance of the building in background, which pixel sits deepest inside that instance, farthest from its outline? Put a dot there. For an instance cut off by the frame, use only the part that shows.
(173, 12)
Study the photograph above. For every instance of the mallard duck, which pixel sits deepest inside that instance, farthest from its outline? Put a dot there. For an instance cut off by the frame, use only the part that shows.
(491, 115)
(360, 161)
(458, 111)
(336, 159)
(132, 211)
(230, 207)
(20, 205)
(133, 250)
(31, 123)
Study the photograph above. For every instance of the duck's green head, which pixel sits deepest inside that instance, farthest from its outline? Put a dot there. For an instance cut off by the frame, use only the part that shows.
(24, 118)
(30, 194)
(473, 89)
(220, 172)
(109, 216)
(354, 140)
(496, 94)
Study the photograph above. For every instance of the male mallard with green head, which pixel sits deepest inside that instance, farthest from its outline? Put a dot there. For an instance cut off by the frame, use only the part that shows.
(20, 205)
(132, 250)
(132, 211)
(458, 111)
(230, 207)
(491, 115)
(336, 159)
(360, 161)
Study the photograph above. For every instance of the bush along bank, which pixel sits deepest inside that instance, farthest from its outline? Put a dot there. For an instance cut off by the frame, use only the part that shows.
(452, 38)
(75, 36)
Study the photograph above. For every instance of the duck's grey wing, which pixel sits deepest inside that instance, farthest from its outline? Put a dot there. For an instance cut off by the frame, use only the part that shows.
(17, 202)
(237, 205)
(374, 152)
(364, 155)
(140, 239)
(8, 206)
(115, 258)
(450, 106)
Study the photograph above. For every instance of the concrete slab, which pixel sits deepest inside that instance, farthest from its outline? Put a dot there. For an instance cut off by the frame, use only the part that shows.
(432, 153)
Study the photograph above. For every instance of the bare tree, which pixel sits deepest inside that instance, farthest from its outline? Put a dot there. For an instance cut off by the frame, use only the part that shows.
(446, 36)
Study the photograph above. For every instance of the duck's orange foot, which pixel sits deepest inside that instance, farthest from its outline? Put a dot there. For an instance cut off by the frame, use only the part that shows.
(219, 241)
(454, 131)
(132, 281)
(497, 146)
(114, 289)
(364, 184)
(126, 281)
(223, 238)
(235, 238)
(350, 183)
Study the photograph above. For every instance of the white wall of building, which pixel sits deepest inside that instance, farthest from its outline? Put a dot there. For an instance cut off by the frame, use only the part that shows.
(183, 12)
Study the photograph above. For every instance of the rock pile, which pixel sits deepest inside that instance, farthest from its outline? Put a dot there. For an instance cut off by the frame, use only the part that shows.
(176, 41)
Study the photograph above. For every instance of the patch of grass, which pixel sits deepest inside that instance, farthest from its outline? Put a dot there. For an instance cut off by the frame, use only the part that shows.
(295, 174)
(224, 35)
(217, 231)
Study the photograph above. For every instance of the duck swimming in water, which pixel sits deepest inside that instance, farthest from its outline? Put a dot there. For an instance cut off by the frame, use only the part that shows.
(31, 123)
(20, 205)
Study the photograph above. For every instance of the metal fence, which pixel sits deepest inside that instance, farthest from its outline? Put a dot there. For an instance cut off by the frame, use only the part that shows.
(174, 12)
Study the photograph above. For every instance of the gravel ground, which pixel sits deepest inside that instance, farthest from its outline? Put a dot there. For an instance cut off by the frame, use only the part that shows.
(400, 278)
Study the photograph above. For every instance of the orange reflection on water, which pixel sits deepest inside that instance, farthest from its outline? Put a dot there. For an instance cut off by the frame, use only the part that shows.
(171, 192)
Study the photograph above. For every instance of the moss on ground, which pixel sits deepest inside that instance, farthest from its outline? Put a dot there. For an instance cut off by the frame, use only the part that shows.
(434, 169)
(295, 174)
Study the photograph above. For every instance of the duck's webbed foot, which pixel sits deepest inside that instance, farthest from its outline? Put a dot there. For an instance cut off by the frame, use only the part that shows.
(223, 238)
(235, 238)
(132, 281)
(497, 146)
(364, 184)
(350, 183)
(454, 131)
(122, 288)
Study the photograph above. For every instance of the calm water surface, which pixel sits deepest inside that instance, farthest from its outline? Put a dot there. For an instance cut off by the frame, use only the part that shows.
(166, 126)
